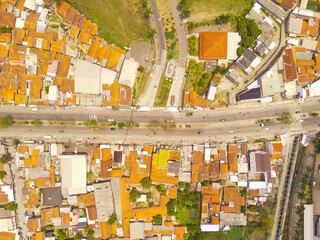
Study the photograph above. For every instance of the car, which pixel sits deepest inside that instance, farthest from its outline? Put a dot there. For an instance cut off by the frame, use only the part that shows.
(222, 120)
(318, 124)
(110, 120)
(61, 131)
(300, 120)
(176, 79)
(92, 116)
(262, 124)
(266, 129)
(230, 131)
(319, 169)
(169, 121)
(205, 117)
(75, 150)
(155, 88)
(153, 133)
(314, 183)
(113, 129)
(188, 114)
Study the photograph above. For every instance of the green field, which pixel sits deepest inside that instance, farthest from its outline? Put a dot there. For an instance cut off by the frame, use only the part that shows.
(163, 92)
(208, 9)
(120, 21)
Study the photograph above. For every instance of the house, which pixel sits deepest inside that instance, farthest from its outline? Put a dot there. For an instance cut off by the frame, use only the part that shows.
(289, 66)
(128, 72)
(219, 45)
(211, 93)
(73, 174)
(104, 201)
(248, 61)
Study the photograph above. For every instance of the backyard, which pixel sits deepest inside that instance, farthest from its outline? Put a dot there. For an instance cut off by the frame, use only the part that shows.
(120, 21)
(201, 10)
(163, 92)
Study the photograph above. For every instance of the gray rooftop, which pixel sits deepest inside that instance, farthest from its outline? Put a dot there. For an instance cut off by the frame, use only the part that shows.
(52, 196)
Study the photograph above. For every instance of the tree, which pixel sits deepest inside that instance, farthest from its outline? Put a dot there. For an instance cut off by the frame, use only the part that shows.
(140, 68)
(161, 189)
(147, 12)
(144, 3)
(61, 235)
(11, 206)
(4, 159)
(6, 121)
(314, 114)
(134, 195)
(171, 205)
(16, 142)
(157, 219)
(152, 32)
(205, 183)
(78, 236)
(146, 183)
(89, 232)
(46, 88)
(194, 68)
(181, 185)
(2, 174)
(112, 219)
(36, 123)
(287, 118)
(186, 13)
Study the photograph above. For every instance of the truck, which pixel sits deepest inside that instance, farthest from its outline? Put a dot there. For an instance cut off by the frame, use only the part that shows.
(266, 124)
(172, 100)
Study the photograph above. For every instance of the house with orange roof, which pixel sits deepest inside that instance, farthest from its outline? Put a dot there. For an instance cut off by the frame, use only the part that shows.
(191, 99)
(219, 45)
(289, 66)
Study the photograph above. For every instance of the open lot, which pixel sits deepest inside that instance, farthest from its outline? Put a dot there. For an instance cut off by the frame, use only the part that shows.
(139, 85)
(207, 9)
(120, 21)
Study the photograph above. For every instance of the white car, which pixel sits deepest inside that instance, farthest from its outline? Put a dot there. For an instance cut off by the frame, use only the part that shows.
(92, 116)
(110, 120)
(300, 121)
(230, 131)
(155, 88)
(266, 129)
(75, 150)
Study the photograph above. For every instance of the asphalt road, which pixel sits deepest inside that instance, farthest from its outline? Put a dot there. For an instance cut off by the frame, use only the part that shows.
(249, 113)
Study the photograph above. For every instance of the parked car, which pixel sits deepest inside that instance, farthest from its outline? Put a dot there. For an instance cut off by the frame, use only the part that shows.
(230, 131)
(300, 120)
(265, 129)
(262, 124)
(110, 120)
(155, 88)
(113, 129)
(188, 114)
(205, 117)
(222, 120)
(61, 131)
(75, 150)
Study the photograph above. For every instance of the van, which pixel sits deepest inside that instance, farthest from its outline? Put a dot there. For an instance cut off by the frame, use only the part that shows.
(47, 136)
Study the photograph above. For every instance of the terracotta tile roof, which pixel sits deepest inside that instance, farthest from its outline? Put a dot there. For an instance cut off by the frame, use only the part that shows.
(74, 31)
(33, 224)
(104, 229)
(65, 85)
(126, 227)
(90, 27)
(5, 37)
(92, 213)
(253, 193)
(37, 236)
(93, 50)
(198, 157)
(290, 71)
(86, 200)
(306, 78)
(47, 215)
(66, 219)
(233, 198)
(23, 149)
(223, 168)
(7, 236)
(64, 66)
(63, 8)
(114, 89)
(213, 45)
(70, 15)
(308, 30)
(125, 96)
(179, 232)
(173, 193)
(114, 57)
(215, 208)
(7, 19)
(84, 37)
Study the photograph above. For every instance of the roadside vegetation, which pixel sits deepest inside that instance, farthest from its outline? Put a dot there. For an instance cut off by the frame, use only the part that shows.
(198, 79)
(119, 21)
(163, 92)
(156, 125)
(286, 118)
(139, 84)
(194, 45)
(169, 28)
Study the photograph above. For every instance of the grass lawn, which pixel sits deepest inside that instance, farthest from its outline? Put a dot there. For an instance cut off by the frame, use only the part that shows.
(139, 85)
(169, 29)
(184, 219)
(163, 92)
(239, 233)
(208, 9)
(120, 21)
(215, 235)
(313, 6)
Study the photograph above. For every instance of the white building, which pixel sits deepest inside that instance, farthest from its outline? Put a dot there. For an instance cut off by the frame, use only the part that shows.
(128, 72)
(73, 174)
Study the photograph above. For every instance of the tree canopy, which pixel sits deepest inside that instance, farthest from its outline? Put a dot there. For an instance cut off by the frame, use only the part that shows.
(6, 121)
(249, 32)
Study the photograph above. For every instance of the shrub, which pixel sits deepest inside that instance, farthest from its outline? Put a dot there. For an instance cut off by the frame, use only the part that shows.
(4, 159)
(161, 189)
(205, 183)
(6, 121)
(36, 123)
(2, 174)
(46, 88)
(157, 220)
(112, 219)
(11, 206)
(134, 195)
(16, 142)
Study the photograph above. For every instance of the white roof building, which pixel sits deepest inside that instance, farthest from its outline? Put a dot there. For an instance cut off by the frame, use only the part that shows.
(73, 174)
(209, 227)
(308, 223)
(128, 72)
(211, 92)
(53, 93)
(233, 44)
